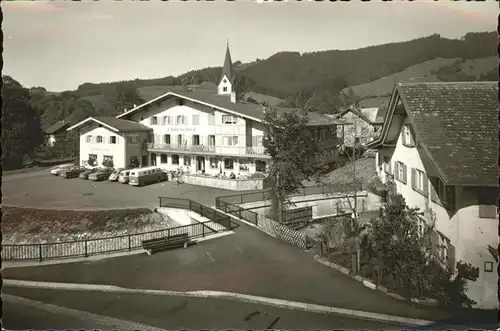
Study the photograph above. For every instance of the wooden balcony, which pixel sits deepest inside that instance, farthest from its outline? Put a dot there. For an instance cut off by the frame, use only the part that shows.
(204, 149)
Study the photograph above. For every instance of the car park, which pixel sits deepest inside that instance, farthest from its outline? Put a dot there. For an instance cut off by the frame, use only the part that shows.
(124, 176)
(72, 172)
(85, 174)
(60, 168)
(115, 174)
(101, 174)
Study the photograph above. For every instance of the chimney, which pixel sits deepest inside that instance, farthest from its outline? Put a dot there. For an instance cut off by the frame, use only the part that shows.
(135, 105)
(233, 97)
(124, 110)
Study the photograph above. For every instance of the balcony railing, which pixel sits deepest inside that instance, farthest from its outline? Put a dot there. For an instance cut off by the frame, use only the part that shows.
(232, 150)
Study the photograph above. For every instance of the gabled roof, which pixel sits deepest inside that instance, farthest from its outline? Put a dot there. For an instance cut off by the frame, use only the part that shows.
(455, 124)
(57, 127)
(223, 102)
(227, 70)
(114, 124)
(366, 114)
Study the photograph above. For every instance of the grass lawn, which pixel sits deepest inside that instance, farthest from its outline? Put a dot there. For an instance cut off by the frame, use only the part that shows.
(26, 225)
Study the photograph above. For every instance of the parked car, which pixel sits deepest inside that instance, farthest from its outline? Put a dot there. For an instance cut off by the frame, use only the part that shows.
(72, 173)
(87, 173)
(115, 174)
(60, 168)
(101, 174)
(124, 176)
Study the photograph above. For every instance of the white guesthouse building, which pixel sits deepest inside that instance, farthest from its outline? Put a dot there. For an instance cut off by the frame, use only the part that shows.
(439, 141)
(202, 129)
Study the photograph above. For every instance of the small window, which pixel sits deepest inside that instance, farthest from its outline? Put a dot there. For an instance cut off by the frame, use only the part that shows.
(211, 140)
(187, 160)
(230, 140)
(88, 139)
(400, 171)
(196, 119)
(165, 120)
(166, 139)
(132, 139)
(175, 159)
(419, 181)
(228, 119)
(196, 140)
(99, 139)
(407, 136)
(112, 139)
(225, 81)
(228, 164)
(154, 120)
(164, 158)
(180, 120)
(180, 102)
(224, 88)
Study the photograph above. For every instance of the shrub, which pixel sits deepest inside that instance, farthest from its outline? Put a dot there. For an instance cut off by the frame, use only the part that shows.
(399, 254)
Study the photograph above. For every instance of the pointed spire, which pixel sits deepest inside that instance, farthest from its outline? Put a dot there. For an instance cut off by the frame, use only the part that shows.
(227, 70)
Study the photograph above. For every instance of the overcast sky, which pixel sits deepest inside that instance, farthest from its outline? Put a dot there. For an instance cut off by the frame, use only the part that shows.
(60, 45)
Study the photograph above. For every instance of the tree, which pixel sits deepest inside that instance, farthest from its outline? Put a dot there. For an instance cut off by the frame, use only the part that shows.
(294, 152)
(21, 130)
(124, 96)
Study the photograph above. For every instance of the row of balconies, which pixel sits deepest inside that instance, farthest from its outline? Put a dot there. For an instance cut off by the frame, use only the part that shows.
(212, 149)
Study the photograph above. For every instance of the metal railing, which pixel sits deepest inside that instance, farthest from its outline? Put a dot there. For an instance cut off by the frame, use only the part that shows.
(234, 150)
(212, 214)
(122, 243)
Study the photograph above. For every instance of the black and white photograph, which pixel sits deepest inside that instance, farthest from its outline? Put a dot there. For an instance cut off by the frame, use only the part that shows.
(250, 165)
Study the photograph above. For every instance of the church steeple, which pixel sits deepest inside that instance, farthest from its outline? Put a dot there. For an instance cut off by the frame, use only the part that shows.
(226, 82)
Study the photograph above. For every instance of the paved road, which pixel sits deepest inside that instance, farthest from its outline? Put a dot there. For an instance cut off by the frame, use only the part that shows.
(39, 189)
(248, 262)
(18, 316)
(175, 313)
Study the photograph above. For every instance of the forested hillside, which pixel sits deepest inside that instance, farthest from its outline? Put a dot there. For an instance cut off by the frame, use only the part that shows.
(315, 80)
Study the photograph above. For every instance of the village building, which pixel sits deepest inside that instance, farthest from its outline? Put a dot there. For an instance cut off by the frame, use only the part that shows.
(439, 144)
(55, 132)
(363, 125)
(200, 129)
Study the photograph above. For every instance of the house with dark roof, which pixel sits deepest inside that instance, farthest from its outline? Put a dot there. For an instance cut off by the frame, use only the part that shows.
(439, 145)
(53, 132)
(364, 126)
(199, 128)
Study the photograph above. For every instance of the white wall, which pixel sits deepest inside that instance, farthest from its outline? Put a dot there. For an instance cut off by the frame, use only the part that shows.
(100, 149)
(227, 84)
(468, 233)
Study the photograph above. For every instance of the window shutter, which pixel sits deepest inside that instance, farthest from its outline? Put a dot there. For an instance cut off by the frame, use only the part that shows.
(405, 175)
(396, 170)
(413, 177)
(426, 184)
(487, 211)
(412, 141)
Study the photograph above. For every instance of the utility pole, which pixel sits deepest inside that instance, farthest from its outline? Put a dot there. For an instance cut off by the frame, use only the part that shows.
(355, 212)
